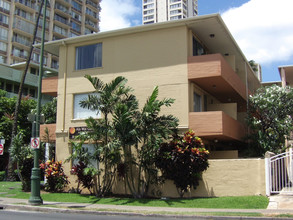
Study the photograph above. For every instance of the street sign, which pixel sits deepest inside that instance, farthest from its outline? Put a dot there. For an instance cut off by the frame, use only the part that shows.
(1, 149)
(35, 143)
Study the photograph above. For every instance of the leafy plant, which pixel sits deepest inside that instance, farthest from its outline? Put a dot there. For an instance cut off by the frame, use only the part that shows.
(183, 160)
(22, 155)
(56, 179)
(86, 180)
(270, 118)
(49, 110)
(2, 175)
(141, 133)
(107, 148)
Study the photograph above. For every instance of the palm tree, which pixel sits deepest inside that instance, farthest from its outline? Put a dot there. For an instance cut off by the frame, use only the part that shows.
(106, 96)
(145, 130)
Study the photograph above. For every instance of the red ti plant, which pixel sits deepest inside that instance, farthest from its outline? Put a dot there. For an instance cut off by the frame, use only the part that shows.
(183, 160)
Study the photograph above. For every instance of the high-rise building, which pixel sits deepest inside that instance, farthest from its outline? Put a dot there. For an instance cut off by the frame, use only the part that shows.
(64, 18)
(154, 11)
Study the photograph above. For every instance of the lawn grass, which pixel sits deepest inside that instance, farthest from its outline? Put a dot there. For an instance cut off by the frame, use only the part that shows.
(13, 189)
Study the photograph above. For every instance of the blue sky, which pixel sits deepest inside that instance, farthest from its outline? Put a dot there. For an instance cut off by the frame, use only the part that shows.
(262, 28)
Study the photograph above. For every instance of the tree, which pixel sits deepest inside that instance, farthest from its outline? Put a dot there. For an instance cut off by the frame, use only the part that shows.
(126, 138)
(107, 152)
(19, 97)
(142, 132)
(49, 110)
(270, 118)
(7, 107)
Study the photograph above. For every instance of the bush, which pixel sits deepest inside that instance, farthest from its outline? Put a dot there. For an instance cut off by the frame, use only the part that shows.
(2, 175)
(85, 180)
(183, 160)
(56, 179)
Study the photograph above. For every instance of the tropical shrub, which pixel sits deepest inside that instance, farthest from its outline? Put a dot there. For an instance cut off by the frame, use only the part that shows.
(54, 173)
(22, 155)
(183, 160)
(85, 180)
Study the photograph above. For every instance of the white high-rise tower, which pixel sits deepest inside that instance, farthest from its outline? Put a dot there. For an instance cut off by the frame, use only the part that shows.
(154, 11)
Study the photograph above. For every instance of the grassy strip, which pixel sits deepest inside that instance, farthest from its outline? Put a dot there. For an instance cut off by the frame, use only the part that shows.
(238, 202)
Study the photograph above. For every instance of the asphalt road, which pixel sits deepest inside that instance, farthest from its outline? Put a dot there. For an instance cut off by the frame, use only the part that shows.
(21, 215)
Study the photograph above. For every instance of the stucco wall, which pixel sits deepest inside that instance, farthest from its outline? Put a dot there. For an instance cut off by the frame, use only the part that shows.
(234, 177)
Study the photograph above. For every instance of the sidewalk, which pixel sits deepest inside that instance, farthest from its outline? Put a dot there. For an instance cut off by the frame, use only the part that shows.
(278, 205)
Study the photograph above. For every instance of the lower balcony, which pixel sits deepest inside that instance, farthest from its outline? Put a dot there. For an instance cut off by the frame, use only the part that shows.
(216, 125)
(47, 133)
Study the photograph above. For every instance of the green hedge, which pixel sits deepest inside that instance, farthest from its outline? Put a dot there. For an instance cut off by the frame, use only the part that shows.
(2, 175)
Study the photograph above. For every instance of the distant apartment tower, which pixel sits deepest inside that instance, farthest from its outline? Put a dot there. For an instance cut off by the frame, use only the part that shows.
(64, 18)
(154, 11)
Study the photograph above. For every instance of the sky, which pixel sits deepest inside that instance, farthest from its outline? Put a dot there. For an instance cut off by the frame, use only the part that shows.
(263, 29)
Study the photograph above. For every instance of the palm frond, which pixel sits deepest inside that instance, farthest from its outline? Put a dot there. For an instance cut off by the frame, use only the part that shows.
(96, 82)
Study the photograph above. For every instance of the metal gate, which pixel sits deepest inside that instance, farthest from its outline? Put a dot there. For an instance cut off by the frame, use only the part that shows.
(279, 173)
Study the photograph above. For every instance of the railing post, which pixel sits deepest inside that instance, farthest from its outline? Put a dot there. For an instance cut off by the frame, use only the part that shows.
(268, 156)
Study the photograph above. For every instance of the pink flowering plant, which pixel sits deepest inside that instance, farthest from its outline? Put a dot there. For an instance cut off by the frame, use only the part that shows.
(183, 160)
(54, 173)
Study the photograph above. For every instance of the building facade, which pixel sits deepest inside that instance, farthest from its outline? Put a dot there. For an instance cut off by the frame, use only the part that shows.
(195, 61)
(154, 11)
(64, 18)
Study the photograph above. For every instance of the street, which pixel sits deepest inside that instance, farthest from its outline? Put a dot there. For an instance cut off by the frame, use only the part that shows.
(16, 215)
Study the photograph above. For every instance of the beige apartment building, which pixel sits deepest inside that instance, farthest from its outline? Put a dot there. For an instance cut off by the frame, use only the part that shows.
(64, 18)
(196, 61)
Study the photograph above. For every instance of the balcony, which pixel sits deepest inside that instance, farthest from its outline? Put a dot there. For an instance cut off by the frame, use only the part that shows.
(216, 125)
(214, 75)
(51, 130)
(50, 86)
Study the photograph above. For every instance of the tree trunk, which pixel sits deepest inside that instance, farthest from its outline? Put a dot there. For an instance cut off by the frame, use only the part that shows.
(10, 174)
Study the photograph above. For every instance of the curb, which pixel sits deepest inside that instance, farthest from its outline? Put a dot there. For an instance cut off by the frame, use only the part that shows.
(92, 212)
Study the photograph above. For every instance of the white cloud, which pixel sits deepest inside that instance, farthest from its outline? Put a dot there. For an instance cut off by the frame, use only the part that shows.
(116, 14)
(263, 29)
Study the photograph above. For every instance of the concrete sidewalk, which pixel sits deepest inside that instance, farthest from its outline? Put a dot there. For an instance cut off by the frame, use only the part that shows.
(278, 205)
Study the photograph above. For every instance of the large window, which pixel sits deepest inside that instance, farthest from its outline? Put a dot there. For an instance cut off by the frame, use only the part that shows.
(89, 56)
(83, 113)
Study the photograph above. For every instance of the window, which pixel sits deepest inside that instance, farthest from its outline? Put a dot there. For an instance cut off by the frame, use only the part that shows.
(76, 6)
(3, 46)
(8, 87)
(75, 26)
(33, 71)
(4, 5)
(89, 56)
(90, 148)
(3, 34)
(196, 102)
(83, 113)
(4, 19)
(197, 48)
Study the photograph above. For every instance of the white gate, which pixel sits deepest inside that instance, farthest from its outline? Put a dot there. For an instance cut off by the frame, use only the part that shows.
(279, 173)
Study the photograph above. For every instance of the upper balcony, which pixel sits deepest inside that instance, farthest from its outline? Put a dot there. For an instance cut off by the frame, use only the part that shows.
(214, 75)
(216, 125)
(50, 86)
